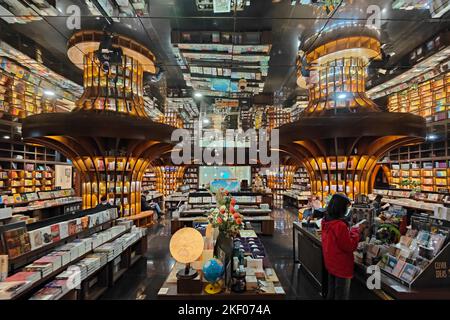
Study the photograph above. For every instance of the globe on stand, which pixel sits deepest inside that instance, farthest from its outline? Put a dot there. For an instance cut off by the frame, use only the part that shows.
(212, 271)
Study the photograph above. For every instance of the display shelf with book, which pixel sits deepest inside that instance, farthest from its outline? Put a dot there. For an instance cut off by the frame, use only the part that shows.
(300, 192)
(191, 177)
(27, 168)
(170, 178)
(279, 181)
(416, 261)
(84, 243)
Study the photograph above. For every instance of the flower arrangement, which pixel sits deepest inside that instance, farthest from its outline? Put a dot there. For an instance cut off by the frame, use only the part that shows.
(226, 216)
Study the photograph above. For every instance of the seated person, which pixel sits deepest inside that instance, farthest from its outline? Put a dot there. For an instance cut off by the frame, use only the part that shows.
(146, 206)
(104, 204)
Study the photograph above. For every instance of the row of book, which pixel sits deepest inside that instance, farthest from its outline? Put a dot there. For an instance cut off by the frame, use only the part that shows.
(64, 255)
(18, 198)
(19, 241)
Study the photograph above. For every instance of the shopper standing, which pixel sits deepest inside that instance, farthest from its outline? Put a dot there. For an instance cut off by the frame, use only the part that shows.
(338, 244)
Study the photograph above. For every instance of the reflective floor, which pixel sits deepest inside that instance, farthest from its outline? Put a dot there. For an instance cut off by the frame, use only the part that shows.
(146, 277)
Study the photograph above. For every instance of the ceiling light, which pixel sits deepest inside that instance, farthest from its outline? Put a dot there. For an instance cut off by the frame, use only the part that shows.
(198, 95)
(431, 137)
(342, 96)
(6, 137)
(206, 121)
(49, 93)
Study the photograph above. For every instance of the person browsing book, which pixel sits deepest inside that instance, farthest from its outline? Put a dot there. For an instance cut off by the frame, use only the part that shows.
(338, 244)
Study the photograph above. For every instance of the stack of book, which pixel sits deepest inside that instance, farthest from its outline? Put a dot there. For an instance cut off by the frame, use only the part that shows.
(10, 289)
(50, 292)
(43, 268)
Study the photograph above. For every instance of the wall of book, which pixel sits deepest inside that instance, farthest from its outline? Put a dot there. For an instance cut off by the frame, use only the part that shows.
(349, 175)
(150, 180)
(276, 117)
(191, 177)
(432, 176)
(279, 181)
(170, 178)
(167, 179)
(301, 181)
(115, 177)
(429, 99)
(27, 168)
(172, 118)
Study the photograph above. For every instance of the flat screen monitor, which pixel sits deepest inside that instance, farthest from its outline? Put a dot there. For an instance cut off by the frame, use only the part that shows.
(227, 177)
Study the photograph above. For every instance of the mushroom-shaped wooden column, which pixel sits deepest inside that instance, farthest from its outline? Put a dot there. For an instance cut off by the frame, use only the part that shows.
(343, 133)
(108, 136)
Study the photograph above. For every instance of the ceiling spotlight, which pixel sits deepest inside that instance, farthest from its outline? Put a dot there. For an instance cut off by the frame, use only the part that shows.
(6, 137)
(431, 137)
(198, 95)
(49, 93)
(342, 96)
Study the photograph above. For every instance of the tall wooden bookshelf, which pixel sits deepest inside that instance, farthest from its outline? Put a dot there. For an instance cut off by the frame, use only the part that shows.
(424, 167)
(27, 168)
(430, 99)
(191, 177)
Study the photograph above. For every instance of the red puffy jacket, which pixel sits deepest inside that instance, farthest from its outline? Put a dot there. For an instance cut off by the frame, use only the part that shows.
(338, 244)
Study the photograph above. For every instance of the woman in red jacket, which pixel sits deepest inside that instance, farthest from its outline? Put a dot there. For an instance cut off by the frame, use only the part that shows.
(338, 244)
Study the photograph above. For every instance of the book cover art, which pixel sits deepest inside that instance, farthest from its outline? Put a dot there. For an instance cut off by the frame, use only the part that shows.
(36, 239)
(55, 232)
(390, 263)
(46, 235)
(85, 222)
(72, 227)
(398, 268)
(64, 229)
(79, 226)
(409, 272)
(17, 242)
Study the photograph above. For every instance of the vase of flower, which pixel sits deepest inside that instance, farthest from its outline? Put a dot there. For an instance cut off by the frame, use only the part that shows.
(224, 247)
(226, 218)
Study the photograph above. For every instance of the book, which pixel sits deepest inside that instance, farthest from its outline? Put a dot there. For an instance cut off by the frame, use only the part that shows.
(85, 222)
(398, 268)
(17, 242)
(55, 232)
(10, 289)
(409, 272)
(3, 267)
(64, 229)
(72, 227)
(36, 239)
(47, 235)
(24, 276)
(390, 263)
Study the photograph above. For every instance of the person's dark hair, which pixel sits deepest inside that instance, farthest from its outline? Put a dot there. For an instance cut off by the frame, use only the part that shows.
(378, 198)
(145, 192)
(103, 198)
(337, 207)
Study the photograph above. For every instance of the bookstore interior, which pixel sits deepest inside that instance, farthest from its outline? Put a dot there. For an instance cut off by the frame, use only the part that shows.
(224, 150)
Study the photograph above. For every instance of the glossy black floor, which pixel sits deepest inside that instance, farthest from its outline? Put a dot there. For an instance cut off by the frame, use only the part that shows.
(146, 277)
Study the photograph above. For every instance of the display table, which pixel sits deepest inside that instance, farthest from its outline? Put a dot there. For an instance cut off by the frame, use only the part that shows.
(267, 224)
(307, 248)
(169, 290)
(245, 211)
